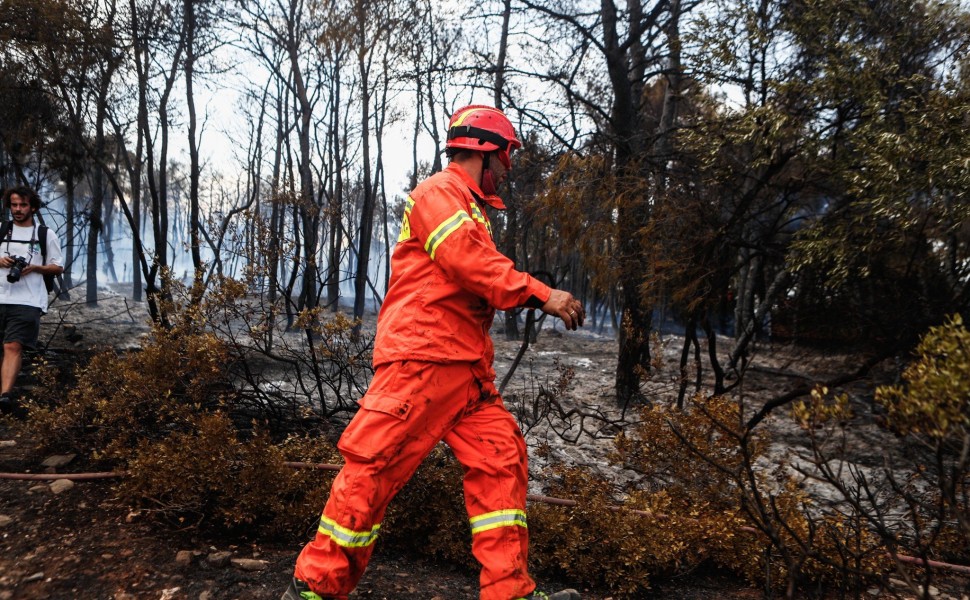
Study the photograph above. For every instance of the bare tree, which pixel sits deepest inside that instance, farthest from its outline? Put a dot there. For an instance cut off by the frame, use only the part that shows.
(371, 37)
(607, 58)
(284, 37)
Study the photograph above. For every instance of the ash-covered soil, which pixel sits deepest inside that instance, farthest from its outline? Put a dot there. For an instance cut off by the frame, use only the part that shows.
(80, 542)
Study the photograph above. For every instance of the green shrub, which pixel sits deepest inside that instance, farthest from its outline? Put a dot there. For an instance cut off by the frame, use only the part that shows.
(934, 400)
(930, 410)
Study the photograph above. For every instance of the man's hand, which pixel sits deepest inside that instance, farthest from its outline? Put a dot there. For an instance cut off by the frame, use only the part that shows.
(6, 262)
(562, 304)
(49, 269)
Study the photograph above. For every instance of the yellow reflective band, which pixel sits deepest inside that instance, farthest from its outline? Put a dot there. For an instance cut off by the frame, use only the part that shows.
(499, 518)
(462, 116)
(479, 216)
(442, 231)
(405, 221)
(405, 229)
(348, 538)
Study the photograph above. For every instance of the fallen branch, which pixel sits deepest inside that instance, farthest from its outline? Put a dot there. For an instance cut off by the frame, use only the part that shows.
(55, 476)
(805, 390)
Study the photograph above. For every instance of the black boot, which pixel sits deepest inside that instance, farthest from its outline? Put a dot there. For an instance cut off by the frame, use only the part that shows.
(9, 406)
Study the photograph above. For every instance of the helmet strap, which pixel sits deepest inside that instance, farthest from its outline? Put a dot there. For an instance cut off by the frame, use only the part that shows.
(488, 182)
(483, 135)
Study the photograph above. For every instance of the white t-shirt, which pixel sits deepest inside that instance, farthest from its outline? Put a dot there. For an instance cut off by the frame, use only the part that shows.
(30, 290)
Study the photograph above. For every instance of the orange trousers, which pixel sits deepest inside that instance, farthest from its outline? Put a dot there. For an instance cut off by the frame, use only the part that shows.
(409, 407)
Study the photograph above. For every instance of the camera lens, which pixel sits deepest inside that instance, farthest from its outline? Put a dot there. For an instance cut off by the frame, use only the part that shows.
(19, 262)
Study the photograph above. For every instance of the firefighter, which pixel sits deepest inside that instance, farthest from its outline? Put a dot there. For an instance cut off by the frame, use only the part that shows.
(434, 378)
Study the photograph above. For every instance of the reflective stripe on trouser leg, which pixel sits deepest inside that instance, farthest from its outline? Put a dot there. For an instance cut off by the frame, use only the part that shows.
(408, 408)
(490, 447)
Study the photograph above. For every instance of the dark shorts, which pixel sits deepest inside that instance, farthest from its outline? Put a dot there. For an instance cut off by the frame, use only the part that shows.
(19, 323)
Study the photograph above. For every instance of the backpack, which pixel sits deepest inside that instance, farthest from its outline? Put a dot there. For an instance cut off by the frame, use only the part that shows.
(42, 238)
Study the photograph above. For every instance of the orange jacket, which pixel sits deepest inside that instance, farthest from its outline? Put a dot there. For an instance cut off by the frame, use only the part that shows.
(447, 277)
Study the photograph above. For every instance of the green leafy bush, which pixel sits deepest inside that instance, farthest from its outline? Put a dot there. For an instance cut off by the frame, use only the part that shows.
(934, 401)
(930, 410)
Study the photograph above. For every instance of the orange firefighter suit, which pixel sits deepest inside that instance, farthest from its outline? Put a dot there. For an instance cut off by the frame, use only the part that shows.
(434, 381)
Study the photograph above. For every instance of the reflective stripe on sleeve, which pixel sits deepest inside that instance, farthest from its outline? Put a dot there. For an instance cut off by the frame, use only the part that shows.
(347, 538)
(406, 221)
(479, 216)
(499, 518)
(444, 230)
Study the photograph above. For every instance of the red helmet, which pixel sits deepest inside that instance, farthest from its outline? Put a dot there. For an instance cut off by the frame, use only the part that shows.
(479, 127)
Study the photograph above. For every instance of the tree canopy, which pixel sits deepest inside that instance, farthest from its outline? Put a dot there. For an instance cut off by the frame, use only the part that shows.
(796, 169)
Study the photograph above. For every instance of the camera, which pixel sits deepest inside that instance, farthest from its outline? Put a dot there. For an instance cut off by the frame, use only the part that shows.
(19, 262)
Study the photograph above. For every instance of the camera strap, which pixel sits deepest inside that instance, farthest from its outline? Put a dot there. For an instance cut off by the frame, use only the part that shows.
(8, 225)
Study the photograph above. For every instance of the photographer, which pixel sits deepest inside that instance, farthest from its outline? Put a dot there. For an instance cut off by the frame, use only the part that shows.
(23, 291)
